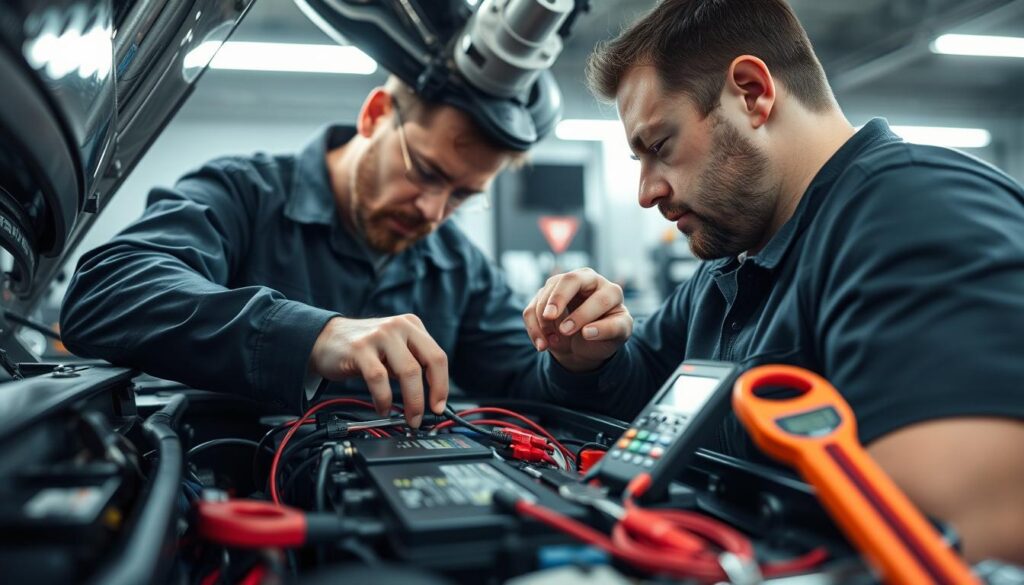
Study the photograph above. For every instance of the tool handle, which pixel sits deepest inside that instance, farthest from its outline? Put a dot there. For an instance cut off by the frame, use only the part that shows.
(878, 518)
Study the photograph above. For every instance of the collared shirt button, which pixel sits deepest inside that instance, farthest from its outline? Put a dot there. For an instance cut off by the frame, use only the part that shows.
(735, 325)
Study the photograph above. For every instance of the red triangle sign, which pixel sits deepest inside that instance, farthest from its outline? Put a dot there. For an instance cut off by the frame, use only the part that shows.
(558, 230)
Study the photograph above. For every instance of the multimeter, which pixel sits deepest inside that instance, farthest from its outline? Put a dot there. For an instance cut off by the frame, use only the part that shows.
(678, 420)
(816, 432)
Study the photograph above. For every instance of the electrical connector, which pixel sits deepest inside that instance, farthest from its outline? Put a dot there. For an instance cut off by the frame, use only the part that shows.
(530, 454)
(518, 437)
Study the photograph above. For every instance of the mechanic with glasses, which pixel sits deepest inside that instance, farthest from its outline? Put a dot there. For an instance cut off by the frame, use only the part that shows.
(270, 274)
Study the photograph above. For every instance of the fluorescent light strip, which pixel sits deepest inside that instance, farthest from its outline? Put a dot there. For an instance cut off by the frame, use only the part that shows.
(612, 131)
(979, 45)
(945, 136)
(287, 57)
(596, 130)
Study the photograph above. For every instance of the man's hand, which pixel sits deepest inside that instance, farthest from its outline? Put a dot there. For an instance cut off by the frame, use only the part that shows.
(379, 349)
(579, 317)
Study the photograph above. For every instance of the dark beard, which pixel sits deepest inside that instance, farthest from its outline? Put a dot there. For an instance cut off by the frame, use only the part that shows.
(734, 214)
(374, 225)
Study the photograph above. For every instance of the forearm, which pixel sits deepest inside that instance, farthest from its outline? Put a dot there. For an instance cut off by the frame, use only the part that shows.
(150, 311)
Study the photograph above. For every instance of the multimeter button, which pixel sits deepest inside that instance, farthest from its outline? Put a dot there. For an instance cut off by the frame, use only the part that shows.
(627, 457)
(646, 448)
(656, 452)
(623, 443)
(648, 462)
(665, 439)
(616, 453)
(642, 435)
(635, 446)
(653, 437)
(630, 433)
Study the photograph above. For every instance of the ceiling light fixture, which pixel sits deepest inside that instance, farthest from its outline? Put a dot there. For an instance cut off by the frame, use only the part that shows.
(287, 57)
(945, 136)
(597, 130)
(979, 45)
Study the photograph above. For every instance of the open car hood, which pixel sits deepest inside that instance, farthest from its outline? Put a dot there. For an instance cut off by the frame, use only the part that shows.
(87, 87)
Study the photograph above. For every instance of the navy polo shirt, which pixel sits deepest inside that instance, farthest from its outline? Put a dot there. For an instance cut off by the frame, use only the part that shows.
(899, 278)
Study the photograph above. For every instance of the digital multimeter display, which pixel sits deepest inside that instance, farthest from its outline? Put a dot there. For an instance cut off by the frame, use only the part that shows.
(811, 424)
(689, 393)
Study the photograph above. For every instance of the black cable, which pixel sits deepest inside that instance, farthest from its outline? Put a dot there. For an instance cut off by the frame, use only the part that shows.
(326, 456)
(302, 444)
(26, 322)
(261, 444)
(492, 435)
(297, 447)
(292, 449)
(222, 442)
(283, 427)
(302, 468)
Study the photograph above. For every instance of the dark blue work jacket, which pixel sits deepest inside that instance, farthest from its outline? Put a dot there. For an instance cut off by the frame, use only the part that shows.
(226, 280)
(900, 278)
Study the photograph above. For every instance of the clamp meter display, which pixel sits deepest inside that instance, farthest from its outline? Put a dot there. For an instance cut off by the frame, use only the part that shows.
(665, 435)
(816, 433)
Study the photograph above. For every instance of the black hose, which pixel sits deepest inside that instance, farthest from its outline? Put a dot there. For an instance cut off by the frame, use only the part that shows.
(147, 556)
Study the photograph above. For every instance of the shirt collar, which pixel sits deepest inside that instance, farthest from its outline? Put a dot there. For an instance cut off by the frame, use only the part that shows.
(312, 198)
(874, 133)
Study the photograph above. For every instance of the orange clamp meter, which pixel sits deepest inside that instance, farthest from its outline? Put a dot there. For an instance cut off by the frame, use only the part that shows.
(816, 433)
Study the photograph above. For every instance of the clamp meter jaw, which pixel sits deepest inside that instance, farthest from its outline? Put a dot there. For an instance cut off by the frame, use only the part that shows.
(813, 415)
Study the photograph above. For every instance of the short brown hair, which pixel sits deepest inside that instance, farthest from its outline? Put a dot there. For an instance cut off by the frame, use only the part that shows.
(691, 43)
(413, 106)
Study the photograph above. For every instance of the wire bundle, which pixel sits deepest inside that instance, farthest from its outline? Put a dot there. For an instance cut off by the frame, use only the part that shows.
(677, 543)
(308, 418)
